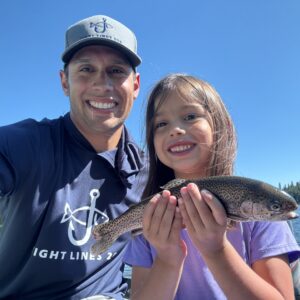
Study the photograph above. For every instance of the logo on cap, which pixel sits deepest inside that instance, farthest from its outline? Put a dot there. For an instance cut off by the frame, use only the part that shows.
(101, 27)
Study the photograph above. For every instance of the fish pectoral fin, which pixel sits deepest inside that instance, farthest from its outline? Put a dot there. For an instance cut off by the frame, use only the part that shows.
(231, 224)
(234, 217)
(136, 232)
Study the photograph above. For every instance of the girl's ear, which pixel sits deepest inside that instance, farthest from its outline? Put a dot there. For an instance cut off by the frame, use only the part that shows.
(64, 82)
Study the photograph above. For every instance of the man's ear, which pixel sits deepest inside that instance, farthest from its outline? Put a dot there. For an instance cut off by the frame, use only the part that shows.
(64, 82)
(136, 85)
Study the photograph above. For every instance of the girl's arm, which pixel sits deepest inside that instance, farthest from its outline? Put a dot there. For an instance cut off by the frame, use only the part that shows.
(269, 278)
(159, 283)
(205, 220)
(161, 227)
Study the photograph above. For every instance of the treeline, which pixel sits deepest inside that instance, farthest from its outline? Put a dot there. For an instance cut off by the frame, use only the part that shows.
(293, 189)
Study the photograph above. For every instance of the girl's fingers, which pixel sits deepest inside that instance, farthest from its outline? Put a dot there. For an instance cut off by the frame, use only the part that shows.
(194, 208)
(159, 215)
(159, 212)
(149, 211)
(176, 225)
(167, 218)
(216, 207)
(185, 216)
(204, 209)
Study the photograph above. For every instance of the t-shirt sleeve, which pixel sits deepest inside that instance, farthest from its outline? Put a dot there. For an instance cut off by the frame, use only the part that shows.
(272, 239)
(139, 253)
(6, 176)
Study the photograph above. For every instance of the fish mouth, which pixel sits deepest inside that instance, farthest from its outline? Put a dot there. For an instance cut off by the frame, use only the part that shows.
(292, 215)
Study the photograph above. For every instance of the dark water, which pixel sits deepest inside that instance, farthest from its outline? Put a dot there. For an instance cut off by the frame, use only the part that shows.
(127, 272)
(295, 224)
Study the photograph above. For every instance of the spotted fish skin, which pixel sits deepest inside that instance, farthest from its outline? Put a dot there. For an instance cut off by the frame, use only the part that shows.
(244, 199)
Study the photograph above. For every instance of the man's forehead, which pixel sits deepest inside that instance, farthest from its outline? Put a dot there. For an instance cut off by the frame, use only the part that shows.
(88, 53)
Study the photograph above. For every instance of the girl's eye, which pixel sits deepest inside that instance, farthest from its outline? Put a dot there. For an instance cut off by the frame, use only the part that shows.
(160, 125)
(190, 117)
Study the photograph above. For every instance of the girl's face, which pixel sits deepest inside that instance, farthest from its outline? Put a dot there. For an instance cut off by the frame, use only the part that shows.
(183, 136)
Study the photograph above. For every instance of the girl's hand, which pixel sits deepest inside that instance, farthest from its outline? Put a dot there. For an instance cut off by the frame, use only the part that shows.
(162, 224)
(205, 219)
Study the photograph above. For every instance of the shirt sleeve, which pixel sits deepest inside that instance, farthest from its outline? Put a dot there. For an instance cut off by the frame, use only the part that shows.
(19, 149)
(6, 177)
(139, 253)
(271, 239)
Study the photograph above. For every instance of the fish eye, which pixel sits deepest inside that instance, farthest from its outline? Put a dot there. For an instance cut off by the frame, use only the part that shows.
(275, 206)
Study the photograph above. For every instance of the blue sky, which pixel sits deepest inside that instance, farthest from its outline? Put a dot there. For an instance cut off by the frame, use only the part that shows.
(248, 50)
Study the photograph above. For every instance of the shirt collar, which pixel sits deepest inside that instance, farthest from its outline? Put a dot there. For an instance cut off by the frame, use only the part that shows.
(128, 159)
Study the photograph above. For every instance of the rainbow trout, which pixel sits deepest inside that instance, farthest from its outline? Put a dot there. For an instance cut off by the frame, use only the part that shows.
(244, 199)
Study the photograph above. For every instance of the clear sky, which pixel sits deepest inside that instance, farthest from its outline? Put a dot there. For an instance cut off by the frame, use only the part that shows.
(248, 50)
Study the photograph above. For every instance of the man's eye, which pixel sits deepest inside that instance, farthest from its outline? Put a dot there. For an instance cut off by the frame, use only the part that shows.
(116, 70)
(86, 69)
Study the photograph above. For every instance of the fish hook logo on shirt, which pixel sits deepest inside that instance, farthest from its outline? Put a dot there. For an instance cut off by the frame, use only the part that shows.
(92, 212)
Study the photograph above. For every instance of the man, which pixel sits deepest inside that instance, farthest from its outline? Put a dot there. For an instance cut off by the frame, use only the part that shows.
(58, 178)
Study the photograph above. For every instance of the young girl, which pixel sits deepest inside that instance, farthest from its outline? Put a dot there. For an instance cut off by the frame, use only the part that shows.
(186, 251)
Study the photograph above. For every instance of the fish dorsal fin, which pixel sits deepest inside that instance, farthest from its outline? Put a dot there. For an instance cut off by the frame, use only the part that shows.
(173, 183)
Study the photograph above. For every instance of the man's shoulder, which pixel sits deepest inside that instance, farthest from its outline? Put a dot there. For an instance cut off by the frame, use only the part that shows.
(29, 128)
(31, 124)
(31, 138)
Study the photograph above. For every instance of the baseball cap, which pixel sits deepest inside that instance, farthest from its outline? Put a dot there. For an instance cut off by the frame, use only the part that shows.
(101, 30)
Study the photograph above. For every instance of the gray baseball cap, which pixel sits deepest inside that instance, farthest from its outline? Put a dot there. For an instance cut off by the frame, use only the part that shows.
(101, 30)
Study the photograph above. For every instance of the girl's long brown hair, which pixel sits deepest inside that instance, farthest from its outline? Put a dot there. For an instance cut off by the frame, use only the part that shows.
(224, 137)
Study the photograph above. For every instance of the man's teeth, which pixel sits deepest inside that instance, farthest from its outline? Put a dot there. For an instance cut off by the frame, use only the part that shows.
(102, 105)
(180, 148)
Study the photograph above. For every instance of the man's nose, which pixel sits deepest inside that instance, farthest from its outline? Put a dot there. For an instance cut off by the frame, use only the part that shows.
(102, 80)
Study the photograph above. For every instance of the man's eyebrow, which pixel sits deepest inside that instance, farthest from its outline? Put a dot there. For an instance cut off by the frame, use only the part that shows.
(81, 60)
(118, 61)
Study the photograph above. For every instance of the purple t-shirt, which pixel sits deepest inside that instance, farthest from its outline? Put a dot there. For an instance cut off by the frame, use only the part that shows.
(252, 240)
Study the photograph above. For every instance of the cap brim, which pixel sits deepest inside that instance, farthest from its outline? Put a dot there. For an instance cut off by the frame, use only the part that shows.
(134, 59)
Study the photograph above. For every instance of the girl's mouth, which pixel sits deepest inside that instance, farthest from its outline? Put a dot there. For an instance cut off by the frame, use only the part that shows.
(181, 148)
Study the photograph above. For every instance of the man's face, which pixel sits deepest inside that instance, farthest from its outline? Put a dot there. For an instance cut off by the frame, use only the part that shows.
(102, 86)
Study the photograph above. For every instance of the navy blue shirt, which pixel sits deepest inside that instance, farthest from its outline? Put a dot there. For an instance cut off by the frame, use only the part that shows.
(54, 188)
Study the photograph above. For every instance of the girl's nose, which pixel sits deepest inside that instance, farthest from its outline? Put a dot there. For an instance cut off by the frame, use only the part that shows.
(176, 130)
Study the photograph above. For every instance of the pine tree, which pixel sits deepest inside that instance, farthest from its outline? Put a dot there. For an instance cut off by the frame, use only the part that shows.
(293, 190)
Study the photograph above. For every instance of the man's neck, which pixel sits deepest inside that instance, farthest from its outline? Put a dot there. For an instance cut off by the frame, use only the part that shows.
(104, 141)
(100, 140)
